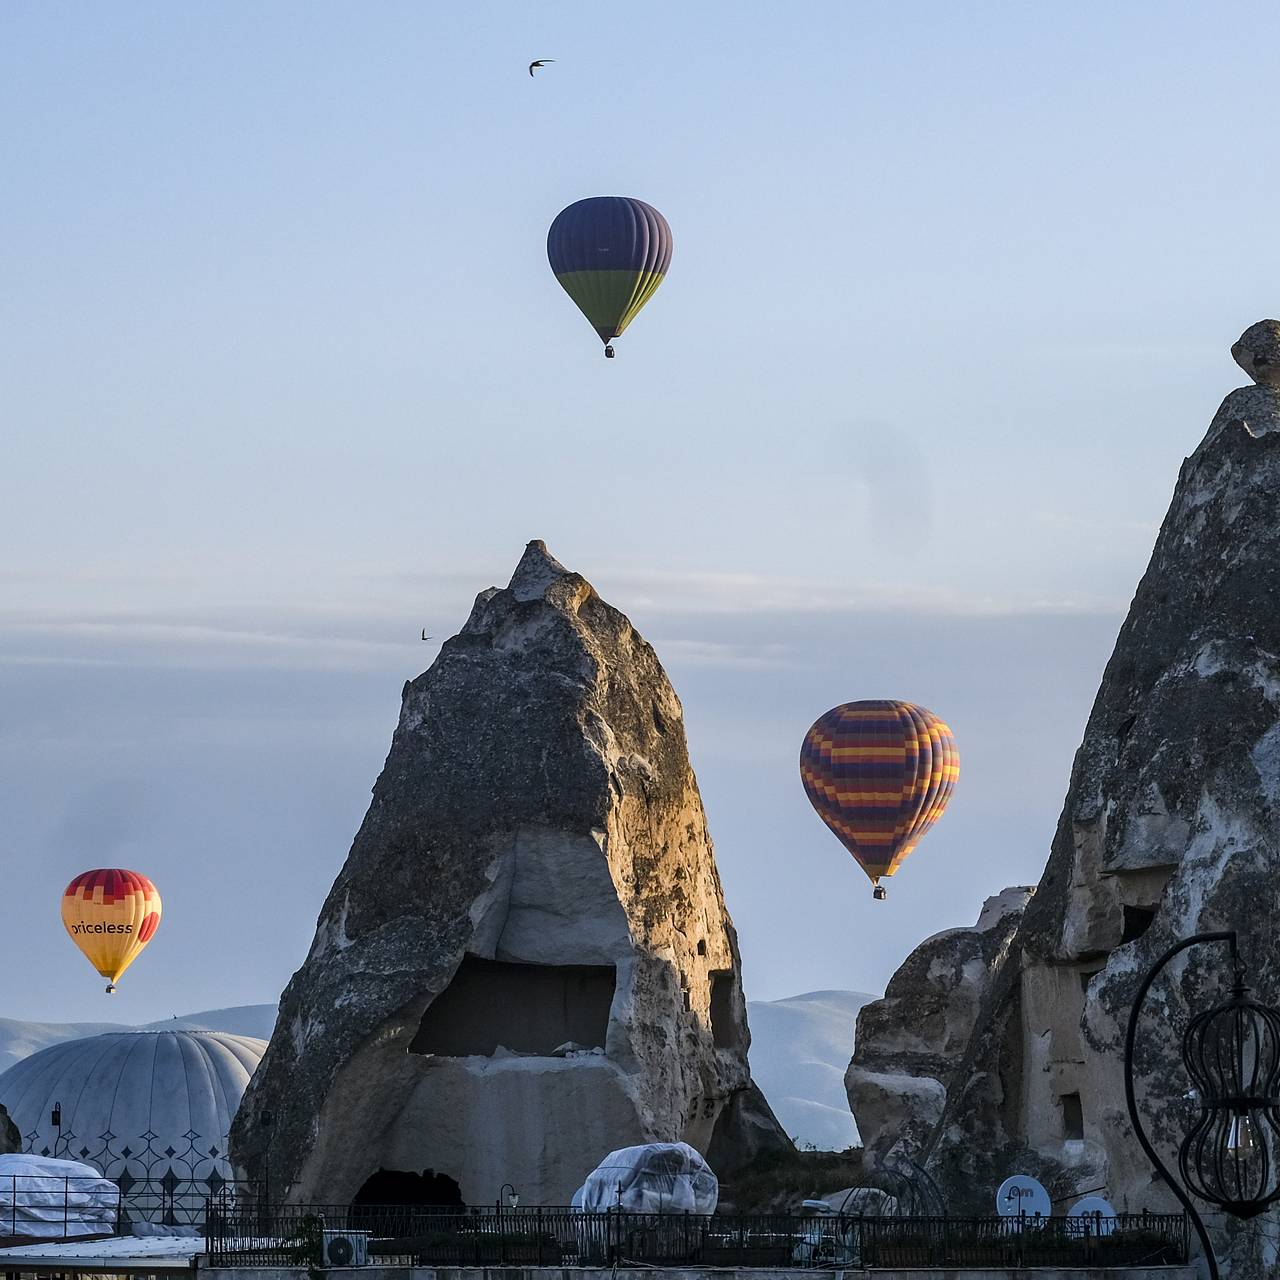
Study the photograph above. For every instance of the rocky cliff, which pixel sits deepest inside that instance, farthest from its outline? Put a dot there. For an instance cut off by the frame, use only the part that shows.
(526, 960)
(10, 1138)
(909, 1044)
(1171, 826)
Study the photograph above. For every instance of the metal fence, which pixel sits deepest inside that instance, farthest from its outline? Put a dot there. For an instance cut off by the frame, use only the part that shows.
(47, 1207)
(1128, 1240)
(296, 1235)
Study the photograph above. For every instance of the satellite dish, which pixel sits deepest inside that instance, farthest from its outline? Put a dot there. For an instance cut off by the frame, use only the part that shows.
(1094, 1214)
(1021, 1195)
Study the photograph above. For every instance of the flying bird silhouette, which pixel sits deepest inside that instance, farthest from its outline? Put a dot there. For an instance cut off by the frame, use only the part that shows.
(541, 62)
(424, 634)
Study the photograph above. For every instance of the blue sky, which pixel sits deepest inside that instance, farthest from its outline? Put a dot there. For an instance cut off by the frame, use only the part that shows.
(285, 376)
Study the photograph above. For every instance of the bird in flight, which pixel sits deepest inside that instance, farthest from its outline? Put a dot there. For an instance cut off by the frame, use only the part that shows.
(424, 634)
(541, 62)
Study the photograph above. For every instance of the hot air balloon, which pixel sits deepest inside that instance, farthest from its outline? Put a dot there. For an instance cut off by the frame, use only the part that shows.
(879, 774)
(111, 914)
(610, 253)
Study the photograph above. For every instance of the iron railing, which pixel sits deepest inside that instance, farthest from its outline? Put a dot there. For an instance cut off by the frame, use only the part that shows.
(1128, 1240)
(48, 1207)
(294, 1235)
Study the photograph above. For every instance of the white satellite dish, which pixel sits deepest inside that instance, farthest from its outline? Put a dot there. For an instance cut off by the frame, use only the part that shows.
(1094, 1215)
(1021, 1195)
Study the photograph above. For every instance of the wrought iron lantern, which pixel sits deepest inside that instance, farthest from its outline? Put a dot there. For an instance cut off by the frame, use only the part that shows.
(1232, 1054)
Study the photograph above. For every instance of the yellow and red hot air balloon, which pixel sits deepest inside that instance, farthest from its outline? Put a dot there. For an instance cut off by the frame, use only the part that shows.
(879, 774)
(111, 914)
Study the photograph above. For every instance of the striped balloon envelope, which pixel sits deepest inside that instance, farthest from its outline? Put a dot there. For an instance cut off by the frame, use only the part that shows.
(111, 914)
(879, 774)
(610, 254)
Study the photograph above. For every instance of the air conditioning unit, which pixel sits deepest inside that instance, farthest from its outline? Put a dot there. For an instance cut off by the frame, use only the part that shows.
(346, 1249)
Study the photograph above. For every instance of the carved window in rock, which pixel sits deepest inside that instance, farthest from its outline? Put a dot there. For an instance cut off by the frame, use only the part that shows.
(522, 1008)
(1072, 1117)
(724, 1030)
(1137, 920)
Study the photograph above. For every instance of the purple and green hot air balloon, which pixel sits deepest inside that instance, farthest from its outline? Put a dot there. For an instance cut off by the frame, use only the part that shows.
(610, 254)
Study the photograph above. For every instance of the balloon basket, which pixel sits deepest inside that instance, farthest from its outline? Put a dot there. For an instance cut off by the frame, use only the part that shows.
(879, 893)
(608, 351)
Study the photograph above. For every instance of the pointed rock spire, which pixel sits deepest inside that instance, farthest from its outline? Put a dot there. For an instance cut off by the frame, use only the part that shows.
(537, 570)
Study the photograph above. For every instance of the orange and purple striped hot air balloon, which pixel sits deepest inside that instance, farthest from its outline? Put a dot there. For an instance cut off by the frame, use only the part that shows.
(879, 774)
(111, 914)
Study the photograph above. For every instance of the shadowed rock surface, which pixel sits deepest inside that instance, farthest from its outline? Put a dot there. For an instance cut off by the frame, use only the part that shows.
(10, 1138)
(1171, 826)
(909, 1044)
(526, 960)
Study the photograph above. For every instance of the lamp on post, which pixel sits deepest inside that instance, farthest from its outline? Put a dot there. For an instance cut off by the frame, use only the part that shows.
(512, 1198)
(1232, 1053)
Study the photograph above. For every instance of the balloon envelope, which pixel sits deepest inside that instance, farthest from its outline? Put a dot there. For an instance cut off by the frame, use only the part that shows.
(610, 253)
(111, 914)
(879, 774)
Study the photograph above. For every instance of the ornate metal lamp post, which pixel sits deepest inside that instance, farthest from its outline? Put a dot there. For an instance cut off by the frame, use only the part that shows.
(1232, 1053)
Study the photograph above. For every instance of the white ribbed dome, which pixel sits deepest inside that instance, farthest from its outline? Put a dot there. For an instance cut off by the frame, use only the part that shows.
(148, 1101)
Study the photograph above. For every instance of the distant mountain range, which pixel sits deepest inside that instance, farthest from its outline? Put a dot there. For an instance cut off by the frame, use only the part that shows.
(800, 1047)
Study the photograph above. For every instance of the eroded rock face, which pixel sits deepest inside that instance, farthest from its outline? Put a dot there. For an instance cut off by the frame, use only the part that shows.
(10, 1138)
(909, 1044)
(1171, 826)
(526, 961)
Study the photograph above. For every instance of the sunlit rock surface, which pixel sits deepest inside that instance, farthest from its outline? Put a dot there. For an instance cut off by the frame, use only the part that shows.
(526, 961)
(1171, 826)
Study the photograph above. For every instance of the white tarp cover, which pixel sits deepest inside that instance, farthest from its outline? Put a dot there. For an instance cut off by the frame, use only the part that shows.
(54, 1199)
(657, 1177)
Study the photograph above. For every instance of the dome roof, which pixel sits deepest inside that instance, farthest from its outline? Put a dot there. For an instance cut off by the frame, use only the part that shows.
(141, 1101)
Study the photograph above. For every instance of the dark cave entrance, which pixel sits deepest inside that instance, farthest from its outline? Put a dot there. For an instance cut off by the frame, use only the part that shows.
(1137, 920)
(525, 1008)
(399, 1187)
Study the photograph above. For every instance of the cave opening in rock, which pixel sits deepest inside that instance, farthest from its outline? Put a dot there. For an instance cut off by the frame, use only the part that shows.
(1086, 977)
(1072, 1117)
(1137, 920)
(524, 1008)
(399, 1186)
(723, 1031)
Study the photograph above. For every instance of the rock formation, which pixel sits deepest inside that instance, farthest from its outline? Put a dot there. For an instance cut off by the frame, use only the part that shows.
(526, 960)
(1171, 826)
(909, 1043)
(10, 1138)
